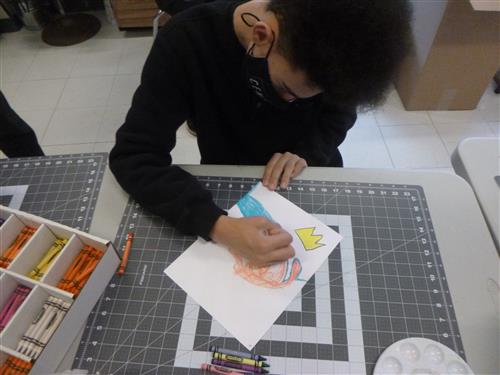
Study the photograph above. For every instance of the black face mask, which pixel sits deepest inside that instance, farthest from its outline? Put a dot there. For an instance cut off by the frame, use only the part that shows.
(256, 70)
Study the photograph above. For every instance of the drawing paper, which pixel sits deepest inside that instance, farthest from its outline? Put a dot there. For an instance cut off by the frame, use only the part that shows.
(244, 300)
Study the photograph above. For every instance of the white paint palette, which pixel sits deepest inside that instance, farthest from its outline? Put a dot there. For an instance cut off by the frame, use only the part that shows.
(420, 356)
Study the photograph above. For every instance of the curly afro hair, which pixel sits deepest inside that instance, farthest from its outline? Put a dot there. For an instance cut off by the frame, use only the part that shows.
(350, 48)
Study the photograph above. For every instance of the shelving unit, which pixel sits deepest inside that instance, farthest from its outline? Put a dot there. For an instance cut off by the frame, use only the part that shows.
(134, 13)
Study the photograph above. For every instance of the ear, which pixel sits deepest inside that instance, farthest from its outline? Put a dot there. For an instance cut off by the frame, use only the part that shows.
(262, 34)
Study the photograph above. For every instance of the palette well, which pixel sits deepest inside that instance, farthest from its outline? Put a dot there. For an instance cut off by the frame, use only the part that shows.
(420, 356)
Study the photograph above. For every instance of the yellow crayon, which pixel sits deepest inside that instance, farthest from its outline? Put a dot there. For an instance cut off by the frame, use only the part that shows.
(240, 360)
(38, 272)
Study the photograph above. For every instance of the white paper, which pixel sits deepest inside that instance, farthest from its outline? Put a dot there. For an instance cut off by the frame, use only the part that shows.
(247, 303)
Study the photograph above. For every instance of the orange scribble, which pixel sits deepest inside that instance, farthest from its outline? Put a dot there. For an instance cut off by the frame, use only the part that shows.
(278, 275)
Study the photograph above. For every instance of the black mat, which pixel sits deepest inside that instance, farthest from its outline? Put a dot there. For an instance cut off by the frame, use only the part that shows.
(62, 188)
(384, 282)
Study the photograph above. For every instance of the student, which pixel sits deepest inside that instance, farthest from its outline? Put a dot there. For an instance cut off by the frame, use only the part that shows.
(263, 82)
(17, 139)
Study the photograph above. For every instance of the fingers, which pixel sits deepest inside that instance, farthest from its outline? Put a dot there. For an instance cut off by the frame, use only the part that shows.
(278, 255)
(274, 231)
(269, 168)
(279, 240)
(281, 168)
(278, 169)
(274, 238)
(299, 167)
(267, 242)
(282, 254)
(288, 171)
(264, 224)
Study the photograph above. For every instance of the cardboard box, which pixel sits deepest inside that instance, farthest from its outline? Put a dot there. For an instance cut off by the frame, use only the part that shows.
(456, 55)
(28, 257)
(487, 5)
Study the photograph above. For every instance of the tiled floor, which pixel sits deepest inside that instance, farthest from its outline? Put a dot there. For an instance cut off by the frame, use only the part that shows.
(76, 97)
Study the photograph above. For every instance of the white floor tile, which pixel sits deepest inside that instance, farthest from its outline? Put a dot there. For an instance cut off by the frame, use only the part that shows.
(9, 90)
(23, 40)
(38, 120)
(44, 94)
(134, 54)
(113, 118)
(415, 147)
(103, 146)
(86, 92)
(73, 126)
(101, 57)
(393, 113)
(15, 67)
(453, 117)
(52, 63)
(68, 149)
(490, 114)
(186, 152)
(489, 105)
(366, 119)
(364, 147)
(495, 128)
(452, 134)
(183, 132)
(123, 89)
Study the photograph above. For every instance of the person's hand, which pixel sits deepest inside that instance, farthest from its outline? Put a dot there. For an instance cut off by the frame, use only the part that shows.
(258, 240)
(281, 169)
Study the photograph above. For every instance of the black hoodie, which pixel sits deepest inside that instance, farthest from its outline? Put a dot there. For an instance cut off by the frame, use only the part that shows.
(194, 71)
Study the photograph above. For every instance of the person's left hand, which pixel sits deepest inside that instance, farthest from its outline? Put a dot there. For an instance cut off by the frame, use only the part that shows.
(281, 169)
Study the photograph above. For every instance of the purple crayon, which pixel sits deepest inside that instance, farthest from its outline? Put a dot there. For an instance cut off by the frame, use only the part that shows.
(256, 370)
(15, 300)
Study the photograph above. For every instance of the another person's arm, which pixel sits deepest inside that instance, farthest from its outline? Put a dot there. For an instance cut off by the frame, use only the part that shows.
(17, 138)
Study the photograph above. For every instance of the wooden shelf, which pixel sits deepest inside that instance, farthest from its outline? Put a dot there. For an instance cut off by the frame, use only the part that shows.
(134, 13)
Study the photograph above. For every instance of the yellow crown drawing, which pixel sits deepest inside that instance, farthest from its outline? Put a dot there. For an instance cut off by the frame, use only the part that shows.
(309, 239)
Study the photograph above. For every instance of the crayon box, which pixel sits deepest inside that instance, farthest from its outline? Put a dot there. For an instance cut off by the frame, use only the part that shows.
(26, 258)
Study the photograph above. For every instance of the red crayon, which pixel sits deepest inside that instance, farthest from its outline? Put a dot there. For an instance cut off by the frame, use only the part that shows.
(219, 370)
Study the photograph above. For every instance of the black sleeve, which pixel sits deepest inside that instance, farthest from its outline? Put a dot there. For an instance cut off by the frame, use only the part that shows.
(327, 130)
(17, 138)
(140, 159)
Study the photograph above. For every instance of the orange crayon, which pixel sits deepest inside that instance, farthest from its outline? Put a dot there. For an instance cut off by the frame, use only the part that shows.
(126, 252)
(78, 273)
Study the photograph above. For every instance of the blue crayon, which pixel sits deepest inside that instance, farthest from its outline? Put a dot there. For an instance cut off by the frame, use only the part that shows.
(255, 357)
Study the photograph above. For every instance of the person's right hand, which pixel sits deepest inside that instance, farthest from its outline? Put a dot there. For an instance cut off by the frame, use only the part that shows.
(258, 240)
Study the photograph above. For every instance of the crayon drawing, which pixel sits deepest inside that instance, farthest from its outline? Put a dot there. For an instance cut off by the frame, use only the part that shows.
(278, 275)
(309, 240)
